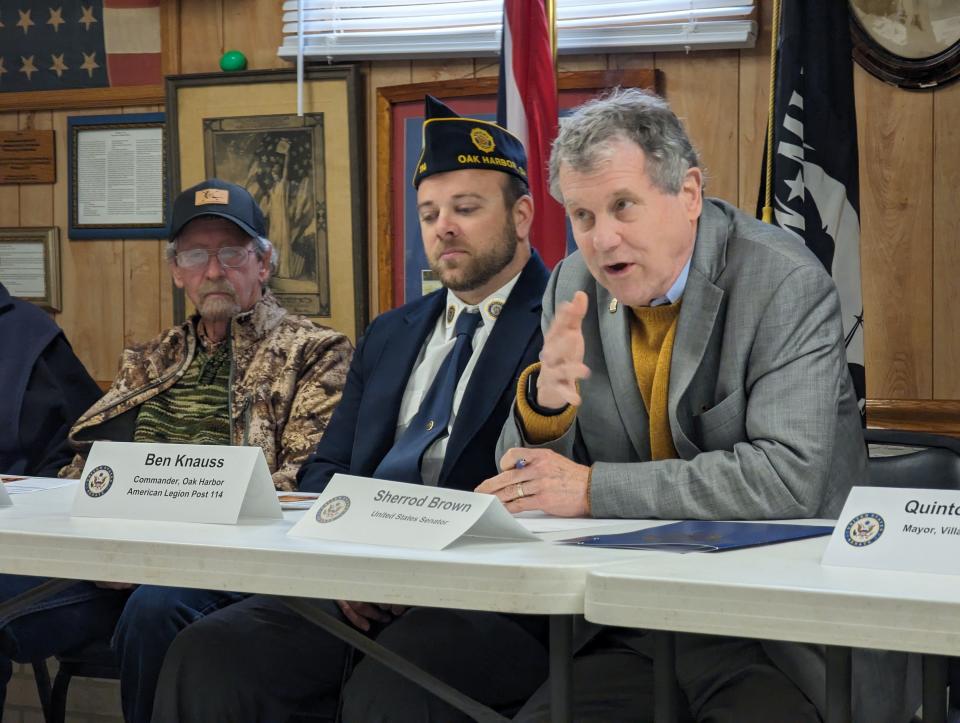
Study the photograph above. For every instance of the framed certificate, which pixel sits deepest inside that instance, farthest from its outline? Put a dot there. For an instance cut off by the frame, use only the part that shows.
(117, 176)
(30, 265)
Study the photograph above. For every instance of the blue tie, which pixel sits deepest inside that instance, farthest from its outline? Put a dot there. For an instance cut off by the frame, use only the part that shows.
(402, 462)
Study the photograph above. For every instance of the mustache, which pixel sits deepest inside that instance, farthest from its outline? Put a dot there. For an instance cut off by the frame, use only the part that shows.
(218, 287)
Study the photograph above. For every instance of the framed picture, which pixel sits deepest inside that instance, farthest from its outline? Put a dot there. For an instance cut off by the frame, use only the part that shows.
(30, 265)
(402, 266)
(304, 171)
(914, 44)
(117, 176)
(81, 55)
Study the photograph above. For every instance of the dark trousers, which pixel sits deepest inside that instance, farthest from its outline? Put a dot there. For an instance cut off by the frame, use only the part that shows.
(60, 623)
(723, 680)
(151, 619)
(259, 661)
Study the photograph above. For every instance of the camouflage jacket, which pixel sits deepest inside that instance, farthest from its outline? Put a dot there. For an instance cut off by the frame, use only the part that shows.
(287, 375)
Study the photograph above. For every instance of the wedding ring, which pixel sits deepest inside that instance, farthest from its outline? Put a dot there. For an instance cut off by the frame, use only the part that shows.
(520, 490)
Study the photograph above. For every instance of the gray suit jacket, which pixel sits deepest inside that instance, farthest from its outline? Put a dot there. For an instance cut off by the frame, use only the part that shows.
(761, 406)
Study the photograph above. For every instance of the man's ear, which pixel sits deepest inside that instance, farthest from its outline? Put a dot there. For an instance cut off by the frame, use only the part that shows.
(264, 273)
(177, 273)
(523, 216)
(692, 192)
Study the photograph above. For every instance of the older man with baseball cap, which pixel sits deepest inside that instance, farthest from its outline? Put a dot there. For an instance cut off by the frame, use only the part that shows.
(241, 371)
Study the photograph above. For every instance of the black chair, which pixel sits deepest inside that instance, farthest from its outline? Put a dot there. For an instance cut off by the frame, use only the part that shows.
(935, 464)
(95, 660)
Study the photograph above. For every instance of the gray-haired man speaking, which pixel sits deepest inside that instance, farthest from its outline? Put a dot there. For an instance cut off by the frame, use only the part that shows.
(693, 367)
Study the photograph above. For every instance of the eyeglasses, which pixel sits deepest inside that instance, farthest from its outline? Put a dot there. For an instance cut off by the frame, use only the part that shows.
(231, 257)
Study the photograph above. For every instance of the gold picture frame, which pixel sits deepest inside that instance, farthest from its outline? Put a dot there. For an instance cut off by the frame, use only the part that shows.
(244, 128)
(30, 265)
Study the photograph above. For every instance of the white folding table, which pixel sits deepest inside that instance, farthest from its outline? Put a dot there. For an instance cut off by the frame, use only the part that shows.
(38, 537)
(781, 592)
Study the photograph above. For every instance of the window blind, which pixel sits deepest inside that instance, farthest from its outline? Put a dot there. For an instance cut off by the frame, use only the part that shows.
(380, 29)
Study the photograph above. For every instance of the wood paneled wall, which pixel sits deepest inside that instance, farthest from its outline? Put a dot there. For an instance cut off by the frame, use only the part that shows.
(117, 292)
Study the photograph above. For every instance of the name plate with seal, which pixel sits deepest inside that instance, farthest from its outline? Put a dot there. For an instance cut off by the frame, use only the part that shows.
(890, 528)
(399, 514)
(176, 482)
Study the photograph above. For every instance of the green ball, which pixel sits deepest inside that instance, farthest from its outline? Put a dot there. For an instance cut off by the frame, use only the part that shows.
(233, 60)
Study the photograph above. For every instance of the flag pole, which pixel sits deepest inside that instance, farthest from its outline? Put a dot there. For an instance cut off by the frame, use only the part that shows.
(771, 115)
(551, 7)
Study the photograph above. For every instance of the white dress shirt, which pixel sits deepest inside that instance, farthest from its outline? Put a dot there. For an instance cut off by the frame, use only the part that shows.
(434, 351)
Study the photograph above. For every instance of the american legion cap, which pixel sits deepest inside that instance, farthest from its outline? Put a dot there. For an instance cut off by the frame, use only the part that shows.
(453, 143)
(214, 197)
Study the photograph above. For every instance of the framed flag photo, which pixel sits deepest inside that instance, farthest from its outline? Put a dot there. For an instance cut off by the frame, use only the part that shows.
(915, 45)
(82, 54)
(402, 267)
(304, 171)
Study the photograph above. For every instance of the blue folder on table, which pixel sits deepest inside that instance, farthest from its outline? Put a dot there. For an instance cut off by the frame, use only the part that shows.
(704, 536)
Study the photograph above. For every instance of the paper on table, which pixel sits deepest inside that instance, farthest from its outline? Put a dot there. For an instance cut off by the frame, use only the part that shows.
(22, 485)
(539, 522)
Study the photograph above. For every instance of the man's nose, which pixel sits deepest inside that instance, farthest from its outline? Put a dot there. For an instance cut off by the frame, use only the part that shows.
(446, 226)
(606, 234)
(214, 268)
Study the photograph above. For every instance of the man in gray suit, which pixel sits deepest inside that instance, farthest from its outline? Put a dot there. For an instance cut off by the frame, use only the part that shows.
(693, 367)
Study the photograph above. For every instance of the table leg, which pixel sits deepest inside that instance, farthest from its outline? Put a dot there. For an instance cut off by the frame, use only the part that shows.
(398, 664)
(934, 689)
(838, 684)
(665, 699)
(40, 592)
(561, 668)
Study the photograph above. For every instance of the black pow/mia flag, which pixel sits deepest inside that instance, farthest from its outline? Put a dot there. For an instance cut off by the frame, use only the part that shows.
(816, 189)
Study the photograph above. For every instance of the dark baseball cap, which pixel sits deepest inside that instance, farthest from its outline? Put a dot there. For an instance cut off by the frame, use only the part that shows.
(453, 143)
(214, 197)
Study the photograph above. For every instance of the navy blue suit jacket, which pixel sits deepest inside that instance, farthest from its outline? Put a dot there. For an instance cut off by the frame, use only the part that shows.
(364, 424)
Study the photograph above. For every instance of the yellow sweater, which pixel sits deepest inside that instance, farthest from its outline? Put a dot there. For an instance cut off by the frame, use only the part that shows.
(652, 331)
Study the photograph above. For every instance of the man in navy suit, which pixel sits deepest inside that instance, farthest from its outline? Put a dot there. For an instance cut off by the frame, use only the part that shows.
(258, 660)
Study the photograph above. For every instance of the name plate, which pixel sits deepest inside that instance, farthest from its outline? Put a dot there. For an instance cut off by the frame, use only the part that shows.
(176, 482)
(898, 529)
(398, 514)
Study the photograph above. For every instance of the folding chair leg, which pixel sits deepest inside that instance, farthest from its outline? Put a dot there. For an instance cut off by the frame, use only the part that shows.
(58, 701)
(41, 676)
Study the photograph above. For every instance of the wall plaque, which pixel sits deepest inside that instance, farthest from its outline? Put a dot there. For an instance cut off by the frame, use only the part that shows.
(27, 157)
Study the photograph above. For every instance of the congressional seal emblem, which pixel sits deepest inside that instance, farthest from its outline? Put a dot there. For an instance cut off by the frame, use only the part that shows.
(482, 140)
(99, 481)
(864, 529)
(333, 509)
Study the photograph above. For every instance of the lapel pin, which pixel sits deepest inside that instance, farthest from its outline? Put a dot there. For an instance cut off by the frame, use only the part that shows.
(494, 307)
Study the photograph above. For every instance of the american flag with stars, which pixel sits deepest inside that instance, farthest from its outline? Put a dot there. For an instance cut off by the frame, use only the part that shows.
(62, 45)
